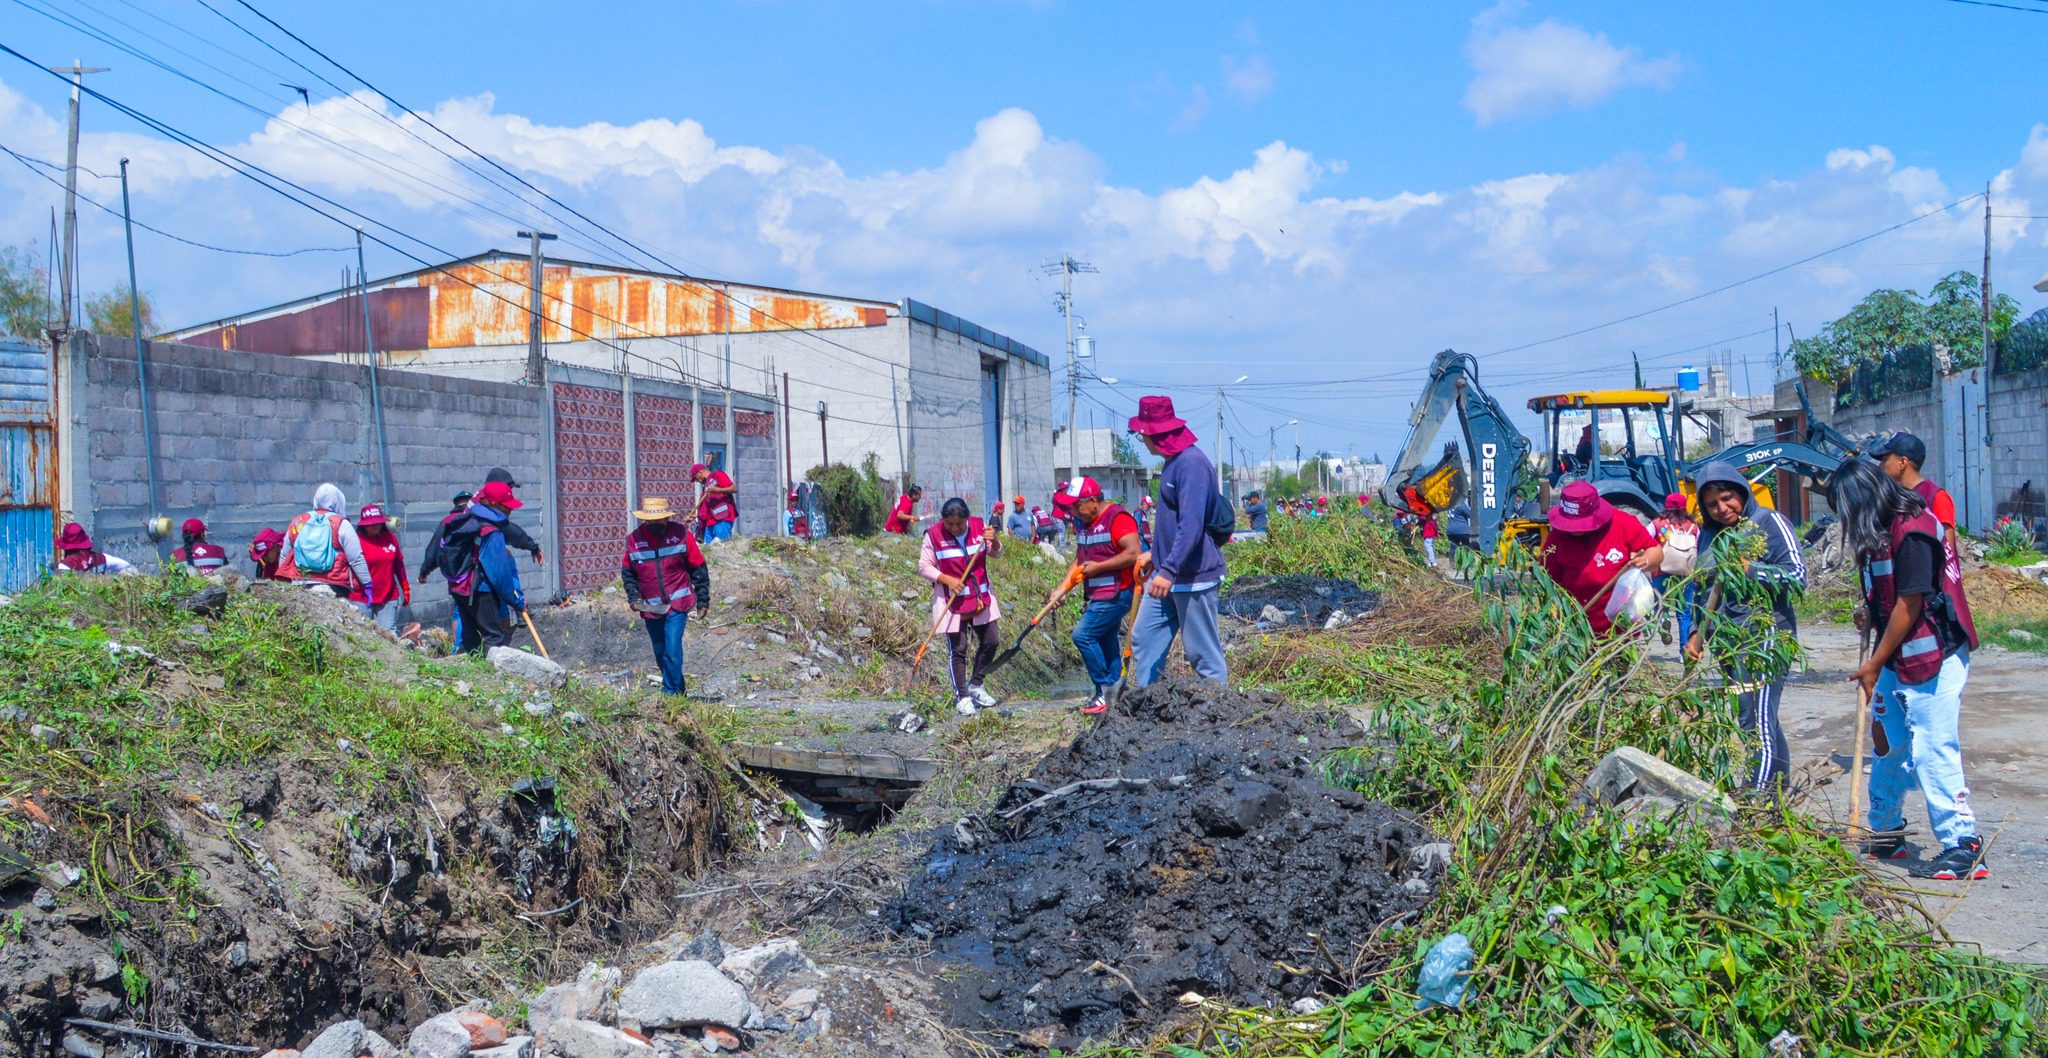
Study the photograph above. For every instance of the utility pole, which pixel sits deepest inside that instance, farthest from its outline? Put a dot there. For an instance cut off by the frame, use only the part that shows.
(896, 410)
(1223, 441)
(77, 73)
(1777, 354)
(1986, 293)
(1066, 267)
(155, 531)
(376, 398)
(824, 447)
(536, 372)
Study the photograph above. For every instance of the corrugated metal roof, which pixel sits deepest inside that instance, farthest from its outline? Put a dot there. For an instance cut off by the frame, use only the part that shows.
(946, 321)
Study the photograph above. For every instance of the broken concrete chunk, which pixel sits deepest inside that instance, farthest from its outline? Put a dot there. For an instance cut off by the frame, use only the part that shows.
(801, 1004)
(1629, 773)
(444, 1036)
(673, 994)
(586, 998)
(766, 963)
(378, 1047)
(344, 1039)
(206, 602)
(575, 1038)
(532, 668)
(515, 1047)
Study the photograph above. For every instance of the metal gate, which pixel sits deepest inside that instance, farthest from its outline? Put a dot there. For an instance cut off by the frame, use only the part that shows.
(28, 487)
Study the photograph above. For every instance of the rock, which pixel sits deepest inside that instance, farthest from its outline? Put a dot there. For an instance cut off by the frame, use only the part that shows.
(574, 718)
(280, 1052)
(206, 602)
(1338, 619)
(800, 1004)
(14, 714)
(462, 689)
(515, 1047)
(838, 580)
(2023, 635)
(455, 1035)
(776, 637)
(238, 954)
(378, 1047)
(860, 632)
(826, 651)
(1306, 1005)
(674, 994)
(6, 600)
(1240, 808)
(62, 875)
(587, 997)
(507, 730)
(538, 709)
(81, 1046)
(45, 734)
(1629, 773)
(814, 672)
(765, 964)
(704, 947)
(575, 1038)
(907, 595)
(344, 1039)
(43, 899)
(1273, 615)
(532, 668)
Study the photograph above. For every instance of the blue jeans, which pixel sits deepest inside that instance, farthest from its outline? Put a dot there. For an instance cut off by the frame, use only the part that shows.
(1920, 721)
(714, 531)
(1096, 636)
(1191, 615)
(666, 633)
(1683, 605)
(384, 613)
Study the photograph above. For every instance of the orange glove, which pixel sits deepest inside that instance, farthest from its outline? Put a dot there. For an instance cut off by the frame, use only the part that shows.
(1074, 579)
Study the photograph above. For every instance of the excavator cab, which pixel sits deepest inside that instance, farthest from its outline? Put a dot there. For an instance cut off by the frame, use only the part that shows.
(1621, 440)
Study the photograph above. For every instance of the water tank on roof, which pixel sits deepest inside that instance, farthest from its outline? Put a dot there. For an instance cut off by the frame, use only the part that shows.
(1689, 379)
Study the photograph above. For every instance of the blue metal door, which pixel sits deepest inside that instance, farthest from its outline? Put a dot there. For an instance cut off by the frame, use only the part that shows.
(28, 465)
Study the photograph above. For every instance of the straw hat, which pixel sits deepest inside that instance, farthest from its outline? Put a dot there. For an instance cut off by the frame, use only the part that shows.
(653, 509)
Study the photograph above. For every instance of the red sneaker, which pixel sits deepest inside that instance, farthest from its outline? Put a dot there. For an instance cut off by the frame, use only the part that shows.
(1098, 705)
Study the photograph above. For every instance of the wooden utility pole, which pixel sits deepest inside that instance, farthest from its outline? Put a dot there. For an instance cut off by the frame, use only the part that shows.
(70, 276)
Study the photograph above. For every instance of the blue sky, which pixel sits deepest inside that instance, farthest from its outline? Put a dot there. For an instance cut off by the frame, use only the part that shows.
(1301, 192)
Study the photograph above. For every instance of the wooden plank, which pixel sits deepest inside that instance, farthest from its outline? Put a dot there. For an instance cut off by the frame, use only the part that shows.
(830, 762)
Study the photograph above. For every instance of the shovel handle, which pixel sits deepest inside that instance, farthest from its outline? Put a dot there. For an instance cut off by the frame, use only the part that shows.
(1856, 828)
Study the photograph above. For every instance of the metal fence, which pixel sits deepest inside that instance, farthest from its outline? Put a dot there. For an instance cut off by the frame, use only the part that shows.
(1910, 370)
(28, 464)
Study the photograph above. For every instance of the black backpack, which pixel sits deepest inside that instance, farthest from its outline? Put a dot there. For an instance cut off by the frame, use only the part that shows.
(458, 548)
(1220, 520)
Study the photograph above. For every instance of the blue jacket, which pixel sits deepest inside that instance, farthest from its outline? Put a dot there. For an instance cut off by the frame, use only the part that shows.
(1783, 565)
(1257, 513)
(1181, 549)
(494, 559)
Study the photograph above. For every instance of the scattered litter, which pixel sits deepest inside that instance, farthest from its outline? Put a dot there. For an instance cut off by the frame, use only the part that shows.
(1443, 973)
(1296, 599)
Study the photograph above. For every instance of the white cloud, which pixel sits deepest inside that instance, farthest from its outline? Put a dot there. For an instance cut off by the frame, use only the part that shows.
(1251, 81)
(1195, 112)
(1522, 71)
(1851, 159)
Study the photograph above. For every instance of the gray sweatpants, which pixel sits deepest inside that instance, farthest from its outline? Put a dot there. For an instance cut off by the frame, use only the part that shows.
(1188, 614)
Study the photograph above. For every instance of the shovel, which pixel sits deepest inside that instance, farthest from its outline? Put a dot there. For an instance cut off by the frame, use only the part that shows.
(1073, 579)
(944, 613)
(1138, 578)
(535, 632)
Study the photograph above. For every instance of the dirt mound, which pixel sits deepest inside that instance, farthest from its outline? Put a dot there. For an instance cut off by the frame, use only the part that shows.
(1186, 844)
(2001, 591)
(1302, 599)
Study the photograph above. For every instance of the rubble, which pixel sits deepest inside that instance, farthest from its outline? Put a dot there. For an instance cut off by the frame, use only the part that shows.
(1297, 599)
(1629, 774)
(532, 668)
(678, 994)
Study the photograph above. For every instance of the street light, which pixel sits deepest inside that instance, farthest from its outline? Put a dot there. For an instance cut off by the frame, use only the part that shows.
(1222, 450)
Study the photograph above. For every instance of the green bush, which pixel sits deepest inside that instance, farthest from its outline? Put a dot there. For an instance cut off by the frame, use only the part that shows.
(2010, 543)
(853, 498)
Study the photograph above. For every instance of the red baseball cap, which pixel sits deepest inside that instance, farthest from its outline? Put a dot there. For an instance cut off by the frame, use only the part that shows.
(499, 494)
(193, 525)
(1081, 488)
(697, 469)
(373, 514)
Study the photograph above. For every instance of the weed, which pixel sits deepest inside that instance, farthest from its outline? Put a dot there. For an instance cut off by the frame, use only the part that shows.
(2011, 543)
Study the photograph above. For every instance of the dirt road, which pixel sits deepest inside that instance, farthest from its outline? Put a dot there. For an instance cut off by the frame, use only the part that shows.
(2005, 758)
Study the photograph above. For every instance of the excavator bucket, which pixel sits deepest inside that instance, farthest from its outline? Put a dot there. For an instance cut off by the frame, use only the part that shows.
(1440, 487)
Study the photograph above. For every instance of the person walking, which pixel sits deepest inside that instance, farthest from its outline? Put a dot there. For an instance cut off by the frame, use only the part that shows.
(321, 551)
(1915, 675)
(1755, 649)
(954, 557)
(716, 510)
(264, 552)
(666, 580)
(901, 519)
(1187, 558)
(1145, 518)
(1590, 544)
(482, 577)
(1901, 456)
(516, 538)
(198, 555)
(1019, 524)
(1429, 531)
(75, 554)
(1106, 556)
(388, 588)
(1255, 511)
(430, 560)
(1680, 537)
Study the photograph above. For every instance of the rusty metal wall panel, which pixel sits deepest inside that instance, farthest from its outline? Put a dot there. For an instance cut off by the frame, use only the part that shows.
(27, 465)
(398, 317)
(590, 472)
(667, 449)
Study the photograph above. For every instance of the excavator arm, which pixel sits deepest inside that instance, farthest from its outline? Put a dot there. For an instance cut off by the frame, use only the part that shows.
(1500, 453)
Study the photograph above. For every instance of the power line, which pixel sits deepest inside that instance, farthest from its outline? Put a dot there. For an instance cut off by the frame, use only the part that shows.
(2002, 7)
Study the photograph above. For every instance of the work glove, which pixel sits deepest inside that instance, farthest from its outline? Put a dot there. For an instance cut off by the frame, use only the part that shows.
(406, 597)
(1074, 578)
(703, 607)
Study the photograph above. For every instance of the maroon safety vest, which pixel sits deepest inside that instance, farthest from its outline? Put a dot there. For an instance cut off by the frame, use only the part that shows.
(83, 561)
(661, 562)
(952, 555)
(1097, 544)
(202, 556)
(1919, 658)
(717, 507)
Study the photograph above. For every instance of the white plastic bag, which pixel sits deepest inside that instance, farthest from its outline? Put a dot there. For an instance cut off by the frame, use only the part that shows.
(1631, 597)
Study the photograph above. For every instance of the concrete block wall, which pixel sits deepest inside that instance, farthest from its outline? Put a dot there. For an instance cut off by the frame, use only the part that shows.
(244, 438)
(1916, 413)
(2019, 435)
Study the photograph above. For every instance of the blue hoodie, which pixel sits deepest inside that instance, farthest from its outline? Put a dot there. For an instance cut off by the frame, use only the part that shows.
(494, 559)
(1783, 565)
(1181, 549)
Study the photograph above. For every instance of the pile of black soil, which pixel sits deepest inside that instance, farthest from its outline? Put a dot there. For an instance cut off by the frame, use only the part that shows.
(1300, 598)
(1202, 852)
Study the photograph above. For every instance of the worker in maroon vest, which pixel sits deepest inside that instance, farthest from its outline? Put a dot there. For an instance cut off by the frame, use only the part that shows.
(715, 511)
(264, 551)
(197, 555)
(1106, 555)
(954, 557)
(1916, 672)
(75, 554)
(665, 579)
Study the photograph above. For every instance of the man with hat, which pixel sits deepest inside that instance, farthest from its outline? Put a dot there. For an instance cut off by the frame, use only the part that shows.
(264, 551)
(197, 555)
(482, 578)
(1901, 456)
(387, 589)
(1187, 561)
(516, 538)
(75, 554)
(1106, 557)
(1254, 510)
(1590, 544)
(715, 511)
(665, 580)
(1018, 523)
(431, 560)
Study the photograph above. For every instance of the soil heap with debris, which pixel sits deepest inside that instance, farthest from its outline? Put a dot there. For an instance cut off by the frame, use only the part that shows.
(1186, 844)
(1296, 598)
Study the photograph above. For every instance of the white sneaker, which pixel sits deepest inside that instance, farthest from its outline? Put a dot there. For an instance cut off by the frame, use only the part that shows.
(981, 697)
(965, 706)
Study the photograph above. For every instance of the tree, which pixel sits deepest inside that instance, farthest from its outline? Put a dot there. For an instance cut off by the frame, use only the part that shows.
(1124, 450)
(24, 302)
(111, 312)
(1889, 322)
